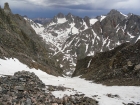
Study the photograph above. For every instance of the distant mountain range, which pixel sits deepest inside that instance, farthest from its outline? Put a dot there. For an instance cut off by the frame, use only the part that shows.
(74, 38)
(41, 20)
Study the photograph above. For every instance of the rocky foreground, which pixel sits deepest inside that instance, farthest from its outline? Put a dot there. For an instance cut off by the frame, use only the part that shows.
(25, 88)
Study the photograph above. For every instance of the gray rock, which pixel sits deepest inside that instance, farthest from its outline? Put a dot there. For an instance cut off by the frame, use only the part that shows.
(0, 89)
(22, 79)
(20, 88)
(28, 101)
(137, 67)
(7, 9)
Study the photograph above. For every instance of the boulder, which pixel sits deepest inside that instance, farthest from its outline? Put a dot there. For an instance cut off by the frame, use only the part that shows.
(137, 67)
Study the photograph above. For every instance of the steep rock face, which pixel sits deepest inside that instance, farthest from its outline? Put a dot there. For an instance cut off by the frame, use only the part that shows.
(19, 40)
(119, 66)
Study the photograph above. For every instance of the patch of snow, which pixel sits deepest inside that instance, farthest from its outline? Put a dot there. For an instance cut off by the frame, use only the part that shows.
(117, 26)
(52, 23)
(61, 65)
(118, 43)
(131, 36)
(102, 18)
(85, 25)
(104, 41)
(127, 94)
(86, 48)
(61, 20)
(93, 21)
(36, 26)
(101, 50)
(37, 29)
(94, 33)
(117, 30)
(25, 18)
(89, 63)
(68, 73)
(73, 28)
(124, 15)
(108, 44)
(125, 27)
(138, 38)
(98, 37)
(91, 53)
(101, 30)
(10, 66)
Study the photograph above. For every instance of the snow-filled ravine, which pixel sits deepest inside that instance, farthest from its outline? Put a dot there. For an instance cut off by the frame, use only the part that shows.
(127, 94)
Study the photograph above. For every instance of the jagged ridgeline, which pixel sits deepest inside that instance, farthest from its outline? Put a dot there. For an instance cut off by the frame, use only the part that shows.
(19, 40)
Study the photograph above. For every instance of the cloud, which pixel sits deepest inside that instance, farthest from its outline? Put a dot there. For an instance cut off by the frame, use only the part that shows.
(75, 4)
(92, 7)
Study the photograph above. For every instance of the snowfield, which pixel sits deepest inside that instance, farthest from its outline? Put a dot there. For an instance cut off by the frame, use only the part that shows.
(126, 94)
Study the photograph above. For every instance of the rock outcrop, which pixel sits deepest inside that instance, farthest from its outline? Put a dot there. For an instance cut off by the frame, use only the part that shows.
(7, 9)
(120, 66)
(19, 40)
(25, 88)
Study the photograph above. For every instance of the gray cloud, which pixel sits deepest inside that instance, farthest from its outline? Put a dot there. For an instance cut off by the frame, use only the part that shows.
(76, 4)
(81, 6)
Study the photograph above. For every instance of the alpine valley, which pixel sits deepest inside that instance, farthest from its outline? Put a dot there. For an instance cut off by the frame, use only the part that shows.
(63, 52)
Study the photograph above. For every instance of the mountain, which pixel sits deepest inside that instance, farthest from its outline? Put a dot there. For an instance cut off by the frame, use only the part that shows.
(106, 34)
(70, 38)
(36, 26)
(120, 66)
(19, 40)
(56, 32)
(74, 38)
(41, 20)
(104, 50)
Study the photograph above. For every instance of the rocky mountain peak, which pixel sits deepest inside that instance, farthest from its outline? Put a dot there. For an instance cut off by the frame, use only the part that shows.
(87, 20)
(69, 17)
(116, 16)
(129, 14)
(134, 17)
(113, 12)
(54, 19)
(7, 8)
(60, 15)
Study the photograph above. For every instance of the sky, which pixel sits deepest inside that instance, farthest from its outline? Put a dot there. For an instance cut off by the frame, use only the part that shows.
(82, 8)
